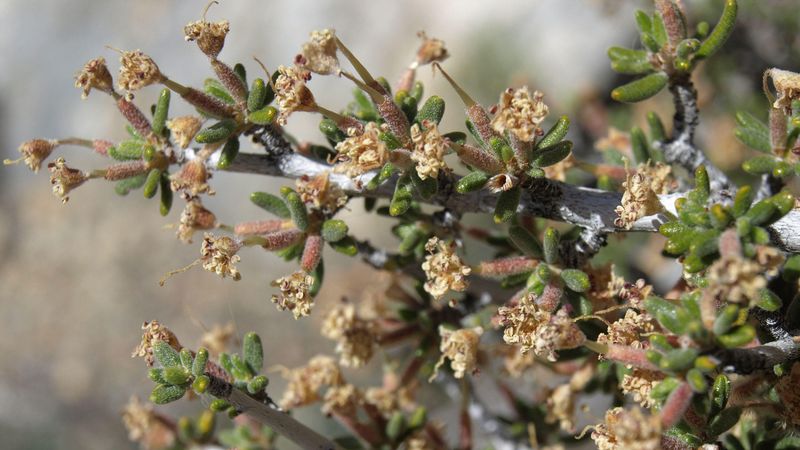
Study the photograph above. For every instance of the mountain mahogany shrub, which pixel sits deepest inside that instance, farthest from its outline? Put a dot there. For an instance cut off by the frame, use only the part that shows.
(711, 364)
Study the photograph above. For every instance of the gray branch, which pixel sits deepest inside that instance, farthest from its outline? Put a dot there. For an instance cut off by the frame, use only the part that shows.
(762, 357)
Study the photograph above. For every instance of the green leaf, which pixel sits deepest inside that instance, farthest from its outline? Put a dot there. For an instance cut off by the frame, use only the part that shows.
(163, 394)
(426, 188)
(720, 392)
(507, 203)
(384, 174)
(217, 132)
(213, 87)
(752, 132)
(472, 182)
(229, 152)
(166, 355)
(547, 156)
(738, 337)
(721, 31)
(525, 241)
(151, 183)
(297, 208)
(161, 112)
(200, 360)
(345, 246)
(768, 300)
(258, 93)
(657, 132)
(576, 280)
(640, 89)
(630, 62)
(724, 421)
(253, 352)
(697, 380)
(401, 200)
(334, 230)
(257, 384)
(666, 313)
(639, 146)
(397, 426)
(200, 384)
(123, 187)
(263, 116)
(270, 203)
(166, 195)
(555, 134)
(176, 376)
(659, 30)
(759, 165)
(725, 319)
(432, 110)
(551, 243)
(127, 150)
(331, 131)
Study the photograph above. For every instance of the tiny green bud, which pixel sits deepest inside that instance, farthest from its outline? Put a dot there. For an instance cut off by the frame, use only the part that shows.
(166, 355)
(200, 360)
(200, 384)
(576, 280)
(257, 384)
(432, 110)
(334, 230)
(258, 93)
(176, 375)
(346, 246)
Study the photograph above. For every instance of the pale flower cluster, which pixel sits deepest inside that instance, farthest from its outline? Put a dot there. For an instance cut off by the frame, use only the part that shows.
(429, 150)
(361, 152)
(94, 75)
(218, 255)
(788, 86)
(628, 430)
(520, 113)
(641, 194)
(137, 70)
(291, 92)
(319, 53)
(183, 129)
(304, 383)
(444, 269)
(64, 178)
(320, 193)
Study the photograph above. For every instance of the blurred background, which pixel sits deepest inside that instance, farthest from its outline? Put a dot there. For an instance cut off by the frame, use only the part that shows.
(78, 280)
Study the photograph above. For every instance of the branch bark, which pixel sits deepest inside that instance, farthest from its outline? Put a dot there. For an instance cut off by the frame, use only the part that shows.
(279, 421)
(589, 208)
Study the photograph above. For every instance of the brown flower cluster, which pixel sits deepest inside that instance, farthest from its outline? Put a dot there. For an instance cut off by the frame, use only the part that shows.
(429, 150)
(210, 36)
(153, 332)
(736, 279)
(64, 178)
(305, 383)
(294, 295)
(137, 70)
(194, 217)
(291, 92)
(320, 193)
(628, 430)
(218, 255)
(319, 53)
(94, 75)
(461, 348)
(533, 328)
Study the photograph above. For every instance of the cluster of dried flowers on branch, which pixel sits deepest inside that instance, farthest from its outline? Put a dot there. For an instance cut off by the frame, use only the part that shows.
(679, 371)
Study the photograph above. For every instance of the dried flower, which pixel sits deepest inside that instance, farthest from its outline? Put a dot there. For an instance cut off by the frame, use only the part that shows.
(561, 400)
(64, 179)
(516, 362)
(429, 150)
(388, 400)
(615, 140)
(320, 193)
(292, 93)
(558, 171)
(294, 294)
(194, 217)
(461, 348)
(146, 427)
(219, 338)
(183, 129)
(628, 430)
(361, 152)
(356, 337)
(431, 50)
(154, 332)
(342, 400)
(641, 194)
(501, 182)
(640, 382)
(788, 86)
(319, 53)
(444, 269)
(635, 293)
(218, 255)
(210, 36)
(192, 179)
(520, 114)
(305, 382)
(94, 75)
(137, 70)
(34, 152)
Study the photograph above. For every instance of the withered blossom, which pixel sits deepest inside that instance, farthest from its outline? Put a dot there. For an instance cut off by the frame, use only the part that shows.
(192, 179)
(361, 152)
(294, 295)
(137, 70)
(304, 383)
(429, 150)
(629, 330)
(431, 50)
(94, 75)
(520, 113)
(639, 383)
(194, 217)
(210, 36)
(320, 193)
(291, 92)
(787, 84)
(183, 129)
(152, 332)
(218, 255)
(736, 279)
(319, 53)
(444, 269)
(628, 430)
(342, 400)
(146, 427)
(356, 337)
(615, 140)
(64, 179)
(641, 194)
(461, 348)
(501, 182)
(389, 401)
(34, 152)
(789, 394)
(561, 400)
